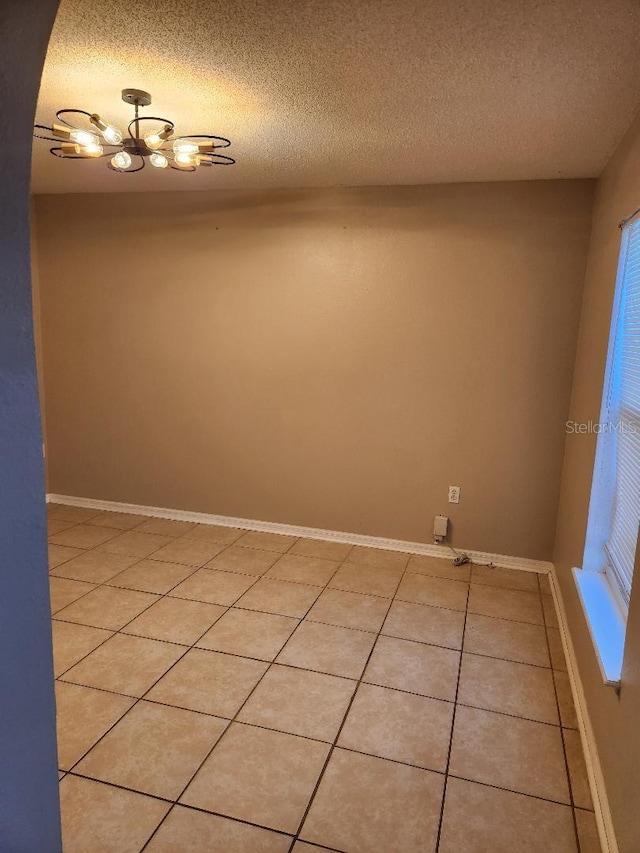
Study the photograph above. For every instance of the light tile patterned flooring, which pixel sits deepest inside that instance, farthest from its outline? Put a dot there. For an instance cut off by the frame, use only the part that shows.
(228, 691)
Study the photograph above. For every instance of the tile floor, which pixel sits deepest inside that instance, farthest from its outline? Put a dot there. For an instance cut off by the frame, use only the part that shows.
(228, 691)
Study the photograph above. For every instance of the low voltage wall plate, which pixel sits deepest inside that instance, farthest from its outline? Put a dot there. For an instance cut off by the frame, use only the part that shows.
(440, 528)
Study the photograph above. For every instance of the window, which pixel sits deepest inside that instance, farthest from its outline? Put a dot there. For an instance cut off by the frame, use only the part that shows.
(615, 498)
(614, 511)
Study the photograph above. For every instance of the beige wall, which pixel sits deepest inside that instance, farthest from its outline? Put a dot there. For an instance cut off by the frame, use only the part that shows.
(616, 720)
(333, 359)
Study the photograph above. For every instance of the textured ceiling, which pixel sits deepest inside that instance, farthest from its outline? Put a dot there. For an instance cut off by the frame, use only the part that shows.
(351, 92)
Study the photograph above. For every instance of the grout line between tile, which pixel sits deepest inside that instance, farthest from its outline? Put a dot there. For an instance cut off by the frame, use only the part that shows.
(187, 648)
(161, 595)
(60, 609)
(344, 717)
(172, 803)
(233, 719)
(140, 698)
(453, 722)
(509, 790)
(505, 714)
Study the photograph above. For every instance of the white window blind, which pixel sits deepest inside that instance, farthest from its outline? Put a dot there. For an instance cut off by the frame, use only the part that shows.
(619, 439)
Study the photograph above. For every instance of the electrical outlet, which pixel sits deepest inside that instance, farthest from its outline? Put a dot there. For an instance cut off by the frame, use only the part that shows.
(454, 494)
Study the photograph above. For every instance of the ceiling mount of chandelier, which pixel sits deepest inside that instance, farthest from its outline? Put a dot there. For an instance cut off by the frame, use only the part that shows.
(87, 136)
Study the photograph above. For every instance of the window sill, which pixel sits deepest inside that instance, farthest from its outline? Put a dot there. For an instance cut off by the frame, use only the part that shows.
(606, 622)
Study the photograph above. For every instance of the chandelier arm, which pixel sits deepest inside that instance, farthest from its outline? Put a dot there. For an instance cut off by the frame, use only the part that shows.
(223, 161)
(139, 168)
(78, 156)
(150, 118)
(60, 114)
(138, 119)
(181, 168)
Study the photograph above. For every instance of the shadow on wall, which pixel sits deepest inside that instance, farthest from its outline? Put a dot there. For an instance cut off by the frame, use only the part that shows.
(427, 208)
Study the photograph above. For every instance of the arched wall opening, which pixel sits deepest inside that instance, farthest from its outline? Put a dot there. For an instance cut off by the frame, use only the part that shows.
(29, 808)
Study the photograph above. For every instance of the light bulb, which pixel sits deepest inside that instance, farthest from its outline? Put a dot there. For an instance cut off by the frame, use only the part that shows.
(84, 137)
(156, 140)
(121, 161)
(184, 158)
(91, 149)
(185, 146)
(158, 160)
(72, 148)
(111, 133)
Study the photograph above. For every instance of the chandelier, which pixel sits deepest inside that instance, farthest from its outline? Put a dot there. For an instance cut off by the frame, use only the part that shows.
(81, 136)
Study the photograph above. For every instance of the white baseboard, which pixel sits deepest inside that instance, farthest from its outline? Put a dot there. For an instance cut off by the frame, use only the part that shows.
(499, 560)
(594, 769)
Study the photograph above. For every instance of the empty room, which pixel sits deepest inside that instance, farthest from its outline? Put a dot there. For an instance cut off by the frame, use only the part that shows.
(320, 427)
